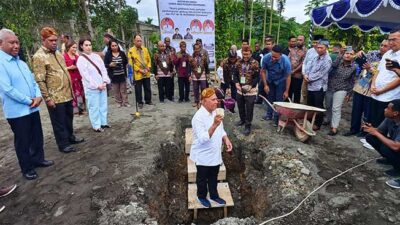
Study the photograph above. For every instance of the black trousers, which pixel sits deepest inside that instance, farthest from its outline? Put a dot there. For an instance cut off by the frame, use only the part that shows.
(165, 88)
(377, 112)
(246, 108)
(316, 99)
(392, 156)
(184, 88)
(260, 91)
(145, 85)
(28, 140)
(295, 89)
(62, 121)
(207, 177)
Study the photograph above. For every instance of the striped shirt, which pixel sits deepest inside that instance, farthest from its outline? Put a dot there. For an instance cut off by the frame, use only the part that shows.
(318, 72)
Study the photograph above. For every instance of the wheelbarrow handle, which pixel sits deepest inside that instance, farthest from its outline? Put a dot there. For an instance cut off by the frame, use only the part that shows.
(269, 103)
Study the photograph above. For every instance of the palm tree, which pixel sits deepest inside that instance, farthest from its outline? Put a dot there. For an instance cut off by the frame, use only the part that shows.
(281, 7)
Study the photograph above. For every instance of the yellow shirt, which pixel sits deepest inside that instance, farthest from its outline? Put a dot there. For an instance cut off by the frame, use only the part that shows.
(52, 76)
(139, 59)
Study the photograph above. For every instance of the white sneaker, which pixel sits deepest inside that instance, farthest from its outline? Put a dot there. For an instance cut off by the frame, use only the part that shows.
(366, 145)
(363, 140)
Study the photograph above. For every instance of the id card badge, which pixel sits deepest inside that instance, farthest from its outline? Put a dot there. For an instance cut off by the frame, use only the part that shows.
(242, 80)
(184, 64)
(199, 69)
(164, 64)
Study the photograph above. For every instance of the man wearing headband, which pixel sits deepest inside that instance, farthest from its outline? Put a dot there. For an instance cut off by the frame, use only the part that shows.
(316, 79)
(246, 76)
(208, 134)
(54, 81)
(340, 87)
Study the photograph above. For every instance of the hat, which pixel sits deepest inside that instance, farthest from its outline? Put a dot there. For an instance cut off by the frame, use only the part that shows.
(47, 32)
(318, 37)
(324, 42)
(206, 93)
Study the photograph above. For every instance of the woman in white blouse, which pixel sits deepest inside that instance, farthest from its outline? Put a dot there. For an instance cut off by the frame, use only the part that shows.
(95, 78)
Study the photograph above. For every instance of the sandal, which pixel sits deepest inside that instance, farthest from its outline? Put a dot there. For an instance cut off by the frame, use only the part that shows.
(99, 130)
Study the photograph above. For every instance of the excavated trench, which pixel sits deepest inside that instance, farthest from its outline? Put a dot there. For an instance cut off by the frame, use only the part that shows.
(166, 186)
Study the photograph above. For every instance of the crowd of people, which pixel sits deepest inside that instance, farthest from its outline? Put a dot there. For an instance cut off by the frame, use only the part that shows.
(73, 79)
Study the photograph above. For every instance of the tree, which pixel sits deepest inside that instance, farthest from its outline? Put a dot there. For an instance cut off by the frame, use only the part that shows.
(148, 20)
(281, 8)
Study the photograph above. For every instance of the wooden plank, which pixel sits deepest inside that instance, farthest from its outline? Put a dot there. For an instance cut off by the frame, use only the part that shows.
(192, 171)
(223, 192)
(188, 140)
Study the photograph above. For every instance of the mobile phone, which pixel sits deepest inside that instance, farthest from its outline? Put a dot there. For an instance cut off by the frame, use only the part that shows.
(361, 60)
(393, 63)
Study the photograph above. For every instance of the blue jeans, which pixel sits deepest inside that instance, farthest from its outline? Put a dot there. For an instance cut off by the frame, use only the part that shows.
(97, 107)
(361, 109)
(275, 95)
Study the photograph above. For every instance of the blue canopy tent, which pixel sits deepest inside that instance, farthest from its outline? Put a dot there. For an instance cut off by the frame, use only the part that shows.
(366, 14)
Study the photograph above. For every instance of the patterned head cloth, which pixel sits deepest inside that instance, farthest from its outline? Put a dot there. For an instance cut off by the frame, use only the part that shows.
(206, 93)
(47, 32)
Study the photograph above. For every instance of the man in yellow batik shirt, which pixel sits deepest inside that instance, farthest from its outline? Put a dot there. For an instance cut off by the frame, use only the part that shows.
(54, 82)
(139, 59)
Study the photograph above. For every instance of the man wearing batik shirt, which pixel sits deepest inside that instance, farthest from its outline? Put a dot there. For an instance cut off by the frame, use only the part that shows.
(246, 78)
(54, 81)
(228, 70)
(296, 57)
(317, 79)
(362, 89)
(311, 54)
(200, 72)
(163, 67)
(171, 50)
(181, 61)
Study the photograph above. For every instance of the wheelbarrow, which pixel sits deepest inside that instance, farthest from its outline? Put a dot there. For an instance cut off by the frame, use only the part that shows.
(298, 115)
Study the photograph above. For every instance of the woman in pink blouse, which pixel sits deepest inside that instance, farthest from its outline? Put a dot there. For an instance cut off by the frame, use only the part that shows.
(71, 57)
(95, 79)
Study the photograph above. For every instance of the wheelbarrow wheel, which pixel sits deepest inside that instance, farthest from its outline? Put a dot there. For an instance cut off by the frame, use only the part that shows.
(301, 135)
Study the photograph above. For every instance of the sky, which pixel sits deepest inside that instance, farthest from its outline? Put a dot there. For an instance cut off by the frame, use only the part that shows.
(148, 8)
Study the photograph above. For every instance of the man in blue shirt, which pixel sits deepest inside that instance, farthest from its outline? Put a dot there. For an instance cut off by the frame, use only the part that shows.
(275, 74)
(21, 98)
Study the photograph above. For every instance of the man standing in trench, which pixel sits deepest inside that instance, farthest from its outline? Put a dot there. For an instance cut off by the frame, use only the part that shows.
(208, 134)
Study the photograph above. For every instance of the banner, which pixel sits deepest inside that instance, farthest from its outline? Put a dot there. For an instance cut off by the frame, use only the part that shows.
(188, 20)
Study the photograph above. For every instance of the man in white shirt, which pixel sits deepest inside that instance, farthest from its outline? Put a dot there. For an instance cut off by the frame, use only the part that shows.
(385, 86)
(208, 134)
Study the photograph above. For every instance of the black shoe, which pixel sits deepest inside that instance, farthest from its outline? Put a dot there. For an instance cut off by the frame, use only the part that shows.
(325, 123)
(105, 126)
(187, 100)
(180, 100)
(331, 133)
(76, 140)
(350, 133)
(247, 131)
(149, 103)
(239, 123)
(67, 149)
(30, 175)
(140, 105)
(45, 163)
(383, 161)
(393, 172)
